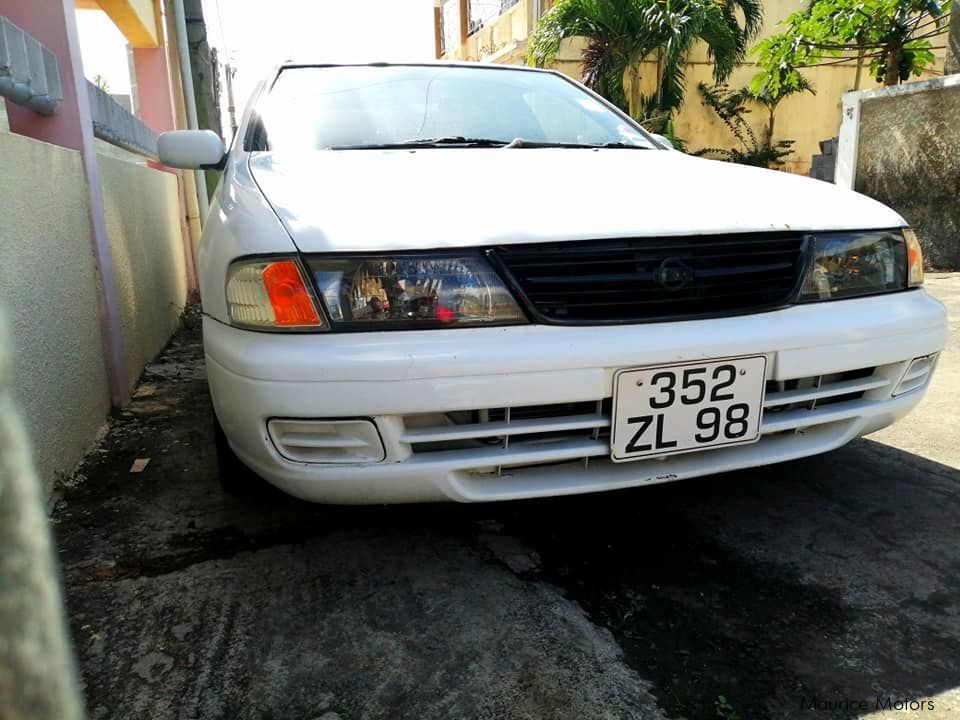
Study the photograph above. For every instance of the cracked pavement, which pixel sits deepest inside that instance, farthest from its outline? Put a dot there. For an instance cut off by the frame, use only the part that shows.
(830, 578)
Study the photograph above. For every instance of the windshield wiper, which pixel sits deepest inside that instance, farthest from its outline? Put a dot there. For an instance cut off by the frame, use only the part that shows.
(521, 143)
(460, 141)
(456, 141)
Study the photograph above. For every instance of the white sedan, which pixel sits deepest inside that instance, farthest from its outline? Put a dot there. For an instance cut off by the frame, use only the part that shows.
(460, 282)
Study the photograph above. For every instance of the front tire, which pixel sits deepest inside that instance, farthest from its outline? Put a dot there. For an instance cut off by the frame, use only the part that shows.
(235, 478)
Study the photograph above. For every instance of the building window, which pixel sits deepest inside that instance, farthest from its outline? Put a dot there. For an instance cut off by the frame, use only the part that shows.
(482, 12)
(450, 26)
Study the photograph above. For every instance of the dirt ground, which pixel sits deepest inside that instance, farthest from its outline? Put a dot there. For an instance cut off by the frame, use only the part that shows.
(825, 588)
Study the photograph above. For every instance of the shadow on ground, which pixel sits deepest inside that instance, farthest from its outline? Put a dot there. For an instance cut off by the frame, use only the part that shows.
(832, 579)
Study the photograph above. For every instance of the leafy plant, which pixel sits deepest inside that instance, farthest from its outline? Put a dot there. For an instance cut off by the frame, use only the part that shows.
(771, 98)
(724, 710)
(623, 33)
(731, 107)
(669, 131)
(891, 36)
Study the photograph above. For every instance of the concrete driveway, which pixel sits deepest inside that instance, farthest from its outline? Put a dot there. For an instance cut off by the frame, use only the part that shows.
(800, 590)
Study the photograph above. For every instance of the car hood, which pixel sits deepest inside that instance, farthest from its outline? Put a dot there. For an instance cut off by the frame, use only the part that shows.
(334, 201)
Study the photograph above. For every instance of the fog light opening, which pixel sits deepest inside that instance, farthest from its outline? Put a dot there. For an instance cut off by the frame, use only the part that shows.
(917, 374)
(327, 441)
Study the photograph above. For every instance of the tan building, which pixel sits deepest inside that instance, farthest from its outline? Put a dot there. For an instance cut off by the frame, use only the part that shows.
(497, 31)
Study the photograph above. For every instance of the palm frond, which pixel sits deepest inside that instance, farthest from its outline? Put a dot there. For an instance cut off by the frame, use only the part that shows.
(603, 68)
(622, 33)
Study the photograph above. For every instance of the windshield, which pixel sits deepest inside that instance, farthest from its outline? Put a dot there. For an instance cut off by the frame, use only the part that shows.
(343, 107)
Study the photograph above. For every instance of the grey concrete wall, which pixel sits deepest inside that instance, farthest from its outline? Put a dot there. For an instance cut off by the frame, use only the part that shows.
(143, 224)
(909, 158)
(48, 287)
(824, 166)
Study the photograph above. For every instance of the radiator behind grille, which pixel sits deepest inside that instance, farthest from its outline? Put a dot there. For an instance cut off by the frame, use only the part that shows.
(646, 279)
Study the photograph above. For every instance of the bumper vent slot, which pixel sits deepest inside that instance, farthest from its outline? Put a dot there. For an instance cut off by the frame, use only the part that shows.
(491, 440)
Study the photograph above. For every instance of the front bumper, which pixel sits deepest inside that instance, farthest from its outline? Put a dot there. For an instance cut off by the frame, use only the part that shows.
(409, 383)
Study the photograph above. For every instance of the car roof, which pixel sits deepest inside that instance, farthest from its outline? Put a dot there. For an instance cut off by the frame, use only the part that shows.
(296, 63)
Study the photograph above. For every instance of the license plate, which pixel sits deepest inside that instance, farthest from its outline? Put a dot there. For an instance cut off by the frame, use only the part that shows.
(686, 407)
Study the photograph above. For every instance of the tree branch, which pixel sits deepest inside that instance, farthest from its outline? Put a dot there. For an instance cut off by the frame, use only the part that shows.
(941, 22)
(838, 61)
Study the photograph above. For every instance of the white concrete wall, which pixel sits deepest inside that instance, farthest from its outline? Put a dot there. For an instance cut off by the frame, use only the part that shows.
(49, 288)
(49, 293)
(143, 224)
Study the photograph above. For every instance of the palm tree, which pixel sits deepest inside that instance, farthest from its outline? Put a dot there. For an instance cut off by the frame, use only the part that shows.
(623, 33)
(771, 99)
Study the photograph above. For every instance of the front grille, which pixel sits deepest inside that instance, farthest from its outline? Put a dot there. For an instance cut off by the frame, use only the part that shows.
(647, 279)
(497, 428)
(487, 441)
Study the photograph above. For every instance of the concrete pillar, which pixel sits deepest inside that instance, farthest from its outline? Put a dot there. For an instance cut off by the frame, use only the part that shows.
(156, 110)
(155, 100)
(189, 189)
(848, 140)
(464, 21)
(206, 80)
(53, 23)
(153, 88)
(951, 64)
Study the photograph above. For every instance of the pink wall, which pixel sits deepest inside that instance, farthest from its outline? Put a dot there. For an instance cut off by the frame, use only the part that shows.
(52, 23)
(153, 88)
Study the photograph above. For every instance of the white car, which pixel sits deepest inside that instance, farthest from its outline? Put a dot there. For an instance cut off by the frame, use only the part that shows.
(467, 282)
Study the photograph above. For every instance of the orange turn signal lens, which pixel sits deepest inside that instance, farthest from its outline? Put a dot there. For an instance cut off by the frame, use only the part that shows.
(271, 294)
(292, 304)
(914, 258)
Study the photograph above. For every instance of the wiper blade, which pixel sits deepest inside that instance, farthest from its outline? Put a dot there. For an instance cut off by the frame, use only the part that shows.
(460, 141)
(456, 141)
(625, 146)
(521, 143)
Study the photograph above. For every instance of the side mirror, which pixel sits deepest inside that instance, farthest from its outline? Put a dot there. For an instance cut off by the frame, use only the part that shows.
(190, 149)
(664, 142)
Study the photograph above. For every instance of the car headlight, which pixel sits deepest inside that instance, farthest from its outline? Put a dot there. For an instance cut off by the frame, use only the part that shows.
(271, 294)
(387, 292)
(852, 264)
